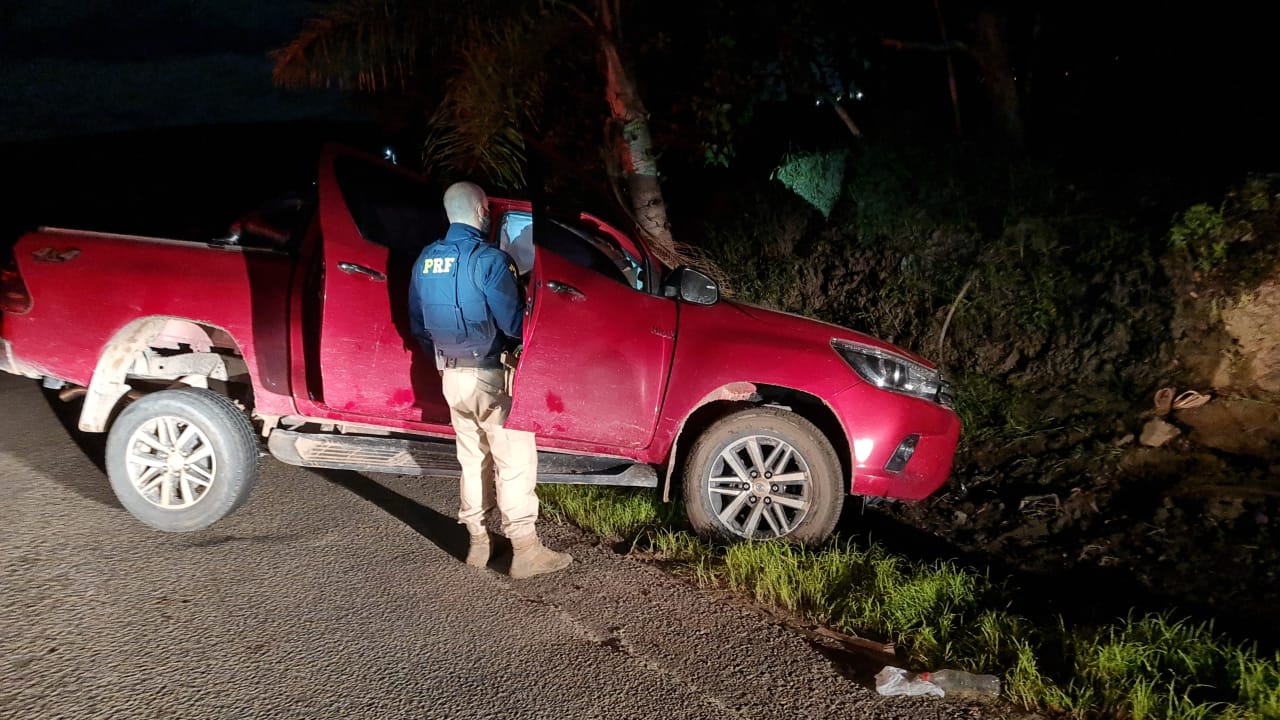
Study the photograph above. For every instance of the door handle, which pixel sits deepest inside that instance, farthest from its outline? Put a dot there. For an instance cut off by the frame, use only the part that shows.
(354, 269)
(563, 288)
(560, 288)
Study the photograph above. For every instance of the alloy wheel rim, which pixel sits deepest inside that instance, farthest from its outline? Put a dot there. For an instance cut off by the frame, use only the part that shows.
(170, 462)
(760, 487)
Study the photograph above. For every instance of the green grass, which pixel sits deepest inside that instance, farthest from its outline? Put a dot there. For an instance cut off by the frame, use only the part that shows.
(941, 614)
(609, 512)
(1257, 681)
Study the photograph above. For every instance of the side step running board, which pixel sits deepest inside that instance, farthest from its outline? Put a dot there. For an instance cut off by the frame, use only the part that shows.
(439, 458)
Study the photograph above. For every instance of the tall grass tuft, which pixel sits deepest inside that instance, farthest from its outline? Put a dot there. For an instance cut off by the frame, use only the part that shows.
(1257, 681)
(619, 513)
(1028, 686)
(1157, 667)
(676, 546)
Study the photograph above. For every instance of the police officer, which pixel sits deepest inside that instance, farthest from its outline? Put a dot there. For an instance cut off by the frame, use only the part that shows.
(466, 306)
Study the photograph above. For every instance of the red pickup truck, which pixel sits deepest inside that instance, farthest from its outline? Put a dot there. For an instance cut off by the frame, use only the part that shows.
(293, 328)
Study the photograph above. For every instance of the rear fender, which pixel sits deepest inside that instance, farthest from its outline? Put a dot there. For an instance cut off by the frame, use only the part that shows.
(109, 385)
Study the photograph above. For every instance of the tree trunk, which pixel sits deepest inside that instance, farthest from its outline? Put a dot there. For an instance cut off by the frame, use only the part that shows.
(951, 72)
(632, 147)
(997, 75)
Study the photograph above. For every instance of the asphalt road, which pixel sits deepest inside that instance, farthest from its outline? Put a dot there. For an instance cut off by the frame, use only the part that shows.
(340, 595)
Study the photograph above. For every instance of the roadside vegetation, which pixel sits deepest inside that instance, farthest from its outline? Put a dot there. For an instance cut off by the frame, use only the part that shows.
(941, 614)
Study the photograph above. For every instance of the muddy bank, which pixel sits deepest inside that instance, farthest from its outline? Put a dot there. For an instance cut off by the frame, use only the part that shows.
(1158, 532)
(1174, 501)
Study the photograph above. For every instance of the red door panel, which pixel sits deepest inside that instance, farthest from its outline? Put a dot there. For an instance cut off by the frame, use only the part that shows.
(596, 358)
(369, 363)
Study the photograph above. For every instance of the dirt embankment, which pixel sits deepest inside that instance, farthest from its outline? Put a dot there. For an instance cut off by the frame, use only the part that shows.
(1176, 503)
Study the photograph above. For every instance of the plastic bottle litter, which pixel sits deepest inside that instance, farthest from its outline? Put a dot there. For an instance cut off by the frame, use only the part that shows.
(941, 683)
(959, 682)
(896, 681)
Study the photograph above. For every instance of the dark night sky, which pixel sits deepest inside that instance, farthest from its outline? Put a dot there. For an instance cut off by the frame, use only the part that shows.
(75, 67)
(1195, 75)
(1195, 80)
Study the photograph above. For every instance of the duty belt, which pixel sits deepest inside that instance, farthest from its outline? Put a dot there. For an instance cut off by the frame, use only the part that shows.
(486, 362)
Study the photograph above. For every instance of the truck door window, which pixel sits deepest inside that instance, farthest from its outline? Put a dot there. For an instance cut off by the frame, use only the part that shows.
(583, 247)
(390, 208)
(515, 238)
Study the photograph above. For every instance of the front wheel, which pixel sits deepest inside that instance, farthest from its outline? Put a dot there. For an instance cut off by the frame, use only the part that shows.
(763, 473)
(180, 460)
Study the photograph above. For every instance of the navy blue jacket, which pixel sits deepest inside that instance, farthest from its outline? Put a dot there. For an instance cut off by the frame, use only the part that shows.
(464, 299)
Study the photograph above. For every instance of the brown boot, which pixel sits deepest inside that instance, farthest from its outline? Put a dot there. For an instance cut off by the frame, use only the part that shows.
(478, 550)
(530, 557)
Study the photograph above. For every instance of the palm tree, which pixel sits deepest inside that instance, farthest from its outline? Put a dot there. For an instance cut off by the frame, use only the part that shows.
(494, 57)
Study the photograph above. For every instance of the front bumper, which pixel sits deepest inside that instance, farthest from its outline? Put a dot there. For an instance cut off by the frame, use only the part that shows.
(876, 422)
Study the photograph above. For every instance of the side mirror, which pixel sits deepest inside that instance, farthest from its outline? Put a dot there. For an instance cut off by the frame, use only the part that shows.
(691, 286)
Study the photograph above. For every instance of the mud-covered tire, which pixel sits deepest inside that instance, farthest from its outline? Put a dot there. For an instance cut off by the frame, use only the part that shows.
(795, 494)
(180, 460)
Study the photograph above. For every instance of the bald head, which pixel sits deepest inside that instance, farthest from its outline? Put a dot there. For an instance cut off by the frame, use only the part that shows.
(466, 203)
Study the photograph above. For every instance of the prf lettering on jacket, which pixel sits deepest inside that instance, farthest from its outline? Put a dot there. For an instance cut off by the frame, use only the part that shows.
(433, 266)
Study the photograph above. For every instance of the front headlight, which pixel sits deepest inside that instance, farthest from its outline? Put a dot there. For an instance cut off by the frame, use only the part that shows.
(892, 372)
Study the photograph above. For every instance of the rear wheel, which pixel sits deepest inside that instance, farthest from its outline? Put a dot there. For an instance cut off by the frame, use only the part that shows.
(180, 460)
(763, 473)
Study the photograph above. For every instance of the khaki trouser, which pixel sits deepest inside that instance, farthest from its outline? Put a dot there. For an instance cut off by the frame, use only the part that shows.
(495, 461)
